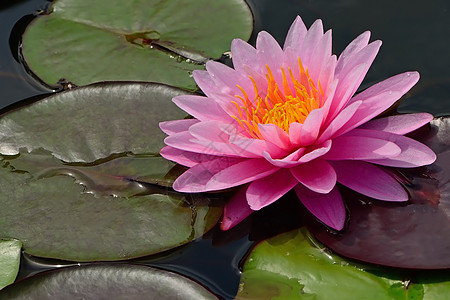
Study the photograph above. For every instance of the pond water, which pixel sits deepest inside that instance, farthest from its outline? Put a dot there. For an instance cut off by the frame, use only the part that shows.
(415, 35)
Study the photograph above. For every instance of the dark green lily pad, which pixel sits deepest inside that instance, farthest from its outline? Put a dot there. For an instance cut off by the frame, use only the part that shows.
(104, 281)
(9, 261)
(411, 235)
(119, 176)
(93, 122)
(161, 41)
(55, 217)
(117, 206)
(294, 266)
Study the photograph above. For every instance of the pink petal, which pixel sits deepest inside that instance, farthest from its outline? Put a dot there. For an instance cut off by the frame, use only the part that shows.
(326, 75)
(196, 178)
(399, 124)
(236, 209)
(317, 175)
(226, 149)
(346, 88)
(209, 130)
(354, 47)
(295, 130)
(185, 158)
(316, 151)
(275, 135)
(201, 108)
(269, 53)
(205, 82)
(260, 81)
(242, 53)
(369, 180)
(226, 78)
(328, 208)
(185, 141)
(177, 126)
(267, 190)
(361, 148)
(240, 173)
(257, 147)
(413, 154)
(378, 98)
(225, 101)
(328, 101)
(352, 74)
(296, 35)
(320, 56)
(312, 38)
(289, 161)
(310, 128)
(222, 173)
(339, 121)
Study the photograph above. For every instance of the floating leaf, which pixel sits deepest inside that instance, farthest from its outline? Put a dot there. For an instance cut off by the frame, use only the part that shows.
(9, 261)
(120, 176)
(293, 266)
(103, 281)
(55, 218)
(110, 209)
(92, 122)
(410, 235)
(160, 41)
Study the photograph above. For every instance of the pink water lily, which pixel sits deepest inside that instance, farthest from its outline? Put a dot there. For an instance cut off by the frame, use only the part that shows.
(288, 118)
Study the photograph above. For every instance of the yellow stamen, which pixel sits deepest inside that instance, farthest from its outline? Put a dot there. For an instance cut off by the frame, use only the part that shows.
(280, 106)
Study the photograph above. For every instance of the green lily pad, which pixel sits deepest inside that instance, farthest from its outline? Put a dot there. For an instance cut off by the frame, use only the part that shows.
(119, 176)
(294, 266)
(93, 122)
(56, 217)
(146, 40)
(109, 199)
(9, 261)
(105, 281)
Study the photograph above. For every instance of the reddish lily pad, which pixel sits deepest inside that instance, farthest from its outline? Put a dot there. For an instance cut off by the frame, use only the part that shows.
(103, 281)
(411, 235)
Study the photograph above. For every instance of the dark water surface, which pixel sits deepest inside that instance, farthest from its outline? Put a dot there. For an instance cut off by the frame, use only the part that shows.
(415, 35)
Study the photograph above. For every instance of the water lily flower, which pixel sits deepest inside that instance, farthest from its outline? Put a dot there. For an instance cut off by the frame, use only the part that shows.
(288, 118)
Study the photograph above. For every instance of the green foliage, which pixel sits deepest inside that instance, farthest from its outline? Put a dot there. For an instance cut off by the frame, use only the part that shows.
(87, 41)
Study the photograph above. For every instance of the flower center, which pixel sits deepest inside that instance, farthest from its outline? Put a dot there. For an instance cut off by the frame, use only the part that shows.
(280, 106)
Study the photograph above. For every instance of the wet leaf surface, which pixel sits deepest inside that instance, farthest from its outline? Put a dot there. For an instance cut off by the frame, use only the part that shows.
(56, 218)
(9, 261)
(92, 122)
(119, 205)
(411, 235)
(117, 176)
(159, 41)
(107, 281)
(294, 266)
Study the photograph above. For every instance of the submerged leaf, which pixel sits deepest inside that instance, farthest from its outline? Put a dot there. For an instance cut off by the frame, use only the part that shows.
(160, 41)
(103, 281)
